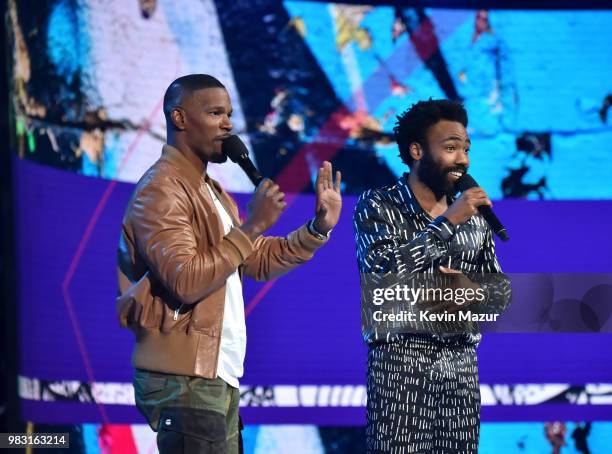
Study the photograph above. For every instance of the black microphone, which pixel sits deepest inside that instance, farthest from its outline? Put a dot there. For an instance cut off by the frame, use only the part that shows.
(467, 182)
(236, 150)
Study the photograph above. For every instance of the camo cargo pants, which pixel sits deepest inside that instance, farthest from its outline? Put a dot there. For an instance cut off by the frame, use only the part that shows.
(190, 414)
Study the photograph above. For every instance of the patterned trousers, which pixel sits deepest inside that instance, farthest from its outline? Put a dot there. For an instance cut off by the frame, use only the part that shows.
(423, 396)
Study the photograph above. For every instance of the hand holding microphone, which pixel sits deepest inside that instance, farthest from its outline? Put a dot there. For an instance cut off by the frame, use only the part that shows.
(267, 203)
(467, 205)
(474, 199)
(264, 209)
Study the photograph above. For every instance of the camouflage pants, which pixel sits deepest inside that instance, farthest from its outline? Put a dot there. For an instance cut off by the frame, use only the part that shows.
(190, 414)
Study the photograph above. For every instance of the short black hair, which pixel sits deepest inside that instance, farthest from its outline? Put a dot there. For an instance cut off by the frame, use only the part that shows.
(412, 125)
(185, 86)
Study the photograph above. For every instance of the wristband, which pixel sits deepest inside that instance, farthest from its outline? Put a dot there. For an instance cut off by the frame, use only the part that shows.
(314, 232)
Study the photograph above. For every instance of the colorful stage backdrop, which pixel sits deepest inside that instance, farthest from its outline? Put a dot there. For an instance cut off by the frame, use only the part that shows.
(309, 81)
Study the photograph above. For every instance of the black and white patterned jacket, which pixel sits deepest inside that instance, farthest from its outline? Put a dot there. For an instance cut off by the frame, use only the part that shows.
(398, 241)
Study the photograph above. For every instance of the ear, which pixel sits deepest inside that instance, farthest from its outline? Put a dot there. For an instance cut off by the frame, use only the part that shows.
(416, 152)
(178, 118)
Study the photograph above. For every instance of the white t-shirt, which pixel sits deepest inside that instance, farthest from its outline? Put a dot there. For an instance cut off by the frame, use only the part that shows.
(233, 335)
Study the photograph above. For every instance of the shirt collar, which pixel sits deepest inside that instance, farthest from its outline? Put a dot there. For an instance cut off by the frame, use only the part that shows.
(191, 173)
(410, 199)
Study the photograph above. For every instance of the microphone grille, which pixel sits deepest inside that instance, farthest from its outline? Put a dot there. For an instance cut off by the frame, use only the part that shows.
(234, 148)
(466, 182)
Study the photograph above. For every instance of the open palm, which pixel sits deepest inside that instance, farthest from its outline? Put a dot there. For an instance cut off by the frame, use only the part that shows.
(329, 200)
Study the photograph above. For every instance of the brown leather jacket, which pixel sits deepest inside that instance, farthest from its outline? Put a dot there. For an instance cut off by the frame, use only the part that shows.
(173, 261)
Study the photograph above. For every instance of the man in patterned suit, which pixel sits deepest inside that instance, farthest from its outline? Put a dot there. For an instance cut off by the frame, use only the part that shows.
(423, 392)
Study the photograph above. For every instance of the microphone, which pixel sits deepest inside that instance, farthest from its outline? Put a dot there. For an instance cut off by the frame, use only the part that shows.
(467, 182)
(236, 150)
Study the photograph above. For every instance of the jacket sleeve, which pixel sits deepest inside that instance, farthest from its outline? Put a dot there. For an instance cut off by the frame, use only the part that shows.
(490, 277)
(383, 248)
(274, 256)
(161, 217)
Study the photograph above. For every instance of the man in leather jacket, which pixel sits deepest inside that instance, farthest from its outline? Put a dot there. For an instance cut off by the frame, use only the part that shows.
(182, 254)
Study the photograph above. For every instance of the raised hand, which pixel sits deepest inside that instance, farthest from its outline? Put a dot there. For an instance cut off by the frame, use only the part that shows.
(329, 200)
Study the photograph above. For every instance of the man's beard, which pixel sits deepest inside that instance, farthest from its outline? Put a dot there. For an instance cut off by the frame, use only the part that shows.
(217, 156)
(218, 159)
(435, 178)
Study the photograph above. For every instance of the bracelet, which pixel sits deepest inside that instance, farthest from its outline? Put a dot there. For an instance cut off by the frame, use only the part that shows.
(313, 231)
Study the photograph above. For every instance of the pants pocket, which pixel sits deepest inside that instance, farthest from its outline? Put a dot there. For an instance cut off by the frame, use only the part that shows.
(191, 430)
(152, 392)
(150, 385)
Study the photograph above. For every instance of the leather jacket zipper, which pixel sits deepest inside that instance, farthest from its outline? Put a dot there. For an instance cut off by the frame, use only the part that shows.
(176, 312)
